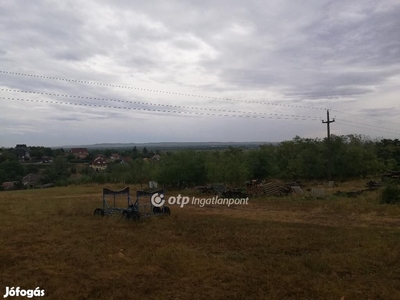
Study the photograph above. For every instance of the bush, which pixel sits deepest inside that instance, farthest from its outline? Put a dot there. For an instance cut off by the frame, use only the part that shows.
(391, 195)
(61, 182)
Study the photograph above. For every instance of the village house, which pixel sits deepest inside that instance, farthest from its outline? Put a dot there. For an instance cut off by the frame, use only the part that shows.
(99, 163)
(9, 185)
(47, 159)
(31, 180)
(22, 152)
(79, 152)
(115, 156)
(126, 160)
(155, 157)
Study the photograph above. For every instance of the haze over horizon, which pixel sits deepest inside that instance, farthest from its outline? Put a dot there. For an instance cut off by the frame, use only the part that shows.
(79, 73)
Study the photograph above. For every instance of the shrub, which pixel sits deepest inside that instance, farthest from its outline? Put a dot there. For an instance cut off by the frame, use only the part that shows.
(391, 195)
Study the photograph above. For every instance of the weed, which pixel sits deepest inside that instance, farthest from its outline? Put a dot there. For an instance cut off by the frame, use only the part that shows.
(391, 195)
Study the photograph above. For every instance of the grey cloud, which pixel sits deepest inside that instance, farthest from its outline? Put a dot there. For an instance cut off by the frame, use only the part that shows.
(323, 46)
(380, 112)
(340, 84)
(66, 119)
(185, 44)
(371, 41)
(328, 53)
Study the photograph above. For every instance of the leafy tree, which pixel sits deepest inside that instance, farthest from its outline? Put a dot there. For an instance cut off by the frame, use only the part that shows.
(182, 168)
(390, 195)
(286, 153)
(107, 153)
(261, 162)
(229, 167)
(58, 170)
(30, 168)
(73, 170)
(36, 152)
(11, 170)
(389, 151)
(8, 155)
(309, 162)
(120, 173)
(70, 157)
(141, 171)
(135, 153)
(58, 152)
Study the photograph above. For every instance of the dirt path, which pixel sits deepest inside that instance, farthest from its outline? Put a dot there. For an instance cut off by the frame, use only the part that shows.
(314, 216)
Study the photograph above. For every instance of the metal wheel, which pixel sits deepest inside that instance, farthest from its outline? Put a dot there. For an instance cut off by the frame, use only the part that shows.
(157, 210)
(126, 215)
(166, 210)
(98, 212)
(134, 216)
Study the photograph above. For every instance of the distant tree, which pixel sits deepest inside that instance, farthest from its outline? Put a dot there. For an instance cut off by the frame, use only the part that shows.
(73, 170)
(143, 171)
(309, 162)
(228, 167)
(389, 151)
(262, 162)
(286, 153)
(134, 151)
(58, 152)
(107, 153)
(57, 171)
(182, 168)
(31, 168)
(48, 152)
(11, 170)
(8, 155)
(36, 152)
(91, 156)
(119, 173)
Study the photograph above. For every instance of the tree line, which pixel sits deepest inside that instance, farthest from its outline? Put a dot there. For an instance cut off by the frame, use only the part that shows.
(352, 156)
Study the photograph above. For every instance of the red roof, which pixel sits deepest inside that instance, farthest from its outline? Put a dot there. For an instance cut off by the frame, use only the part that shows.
(79, 150)
(99, 161)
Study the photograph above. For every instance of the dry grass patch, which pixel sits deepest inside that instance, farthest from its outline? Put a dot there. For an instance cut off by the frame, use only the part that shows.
(274, 248)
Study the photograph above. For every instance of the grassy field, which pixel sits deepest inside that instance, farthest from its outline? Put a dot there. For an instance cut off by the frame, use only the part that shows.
(273, 248)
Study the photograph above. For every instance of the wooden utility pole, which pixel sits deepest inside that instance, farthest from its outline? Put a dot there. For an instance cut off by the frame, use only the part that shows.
(328, 122)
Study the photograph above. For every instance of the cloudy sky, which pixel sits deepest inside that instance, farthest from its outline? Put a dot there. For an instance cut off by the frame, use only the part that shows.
(84, 72)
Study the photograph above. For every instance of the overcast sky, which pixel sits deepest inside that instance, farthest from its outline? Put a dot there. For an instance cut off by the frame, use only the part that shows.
(186, 71)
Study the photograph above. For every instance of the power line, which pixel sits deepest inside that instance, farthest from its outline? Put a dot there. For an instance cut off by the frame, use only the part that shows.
(365, 117)
(183, 94)
(283, 117)
(158, 91)
(154, 104)
(352, 125)
(363, 124)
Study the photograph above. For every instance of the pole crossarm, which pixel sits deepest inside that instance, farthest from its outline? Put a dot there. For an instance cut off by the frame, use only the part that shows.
(328, 122)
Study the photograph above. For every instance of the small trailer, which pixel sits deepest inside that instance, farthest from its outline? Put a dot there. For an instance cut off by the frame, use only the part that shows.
(132, 211)
(146, 206)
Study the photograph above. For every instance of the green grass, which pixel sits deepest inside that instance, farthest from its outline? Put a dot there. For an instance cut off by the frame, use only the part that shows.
(274, 248)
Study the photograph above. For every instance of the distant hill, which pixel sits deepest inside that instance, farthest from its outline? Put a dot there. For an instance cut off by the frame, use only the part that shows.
(171, 145)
